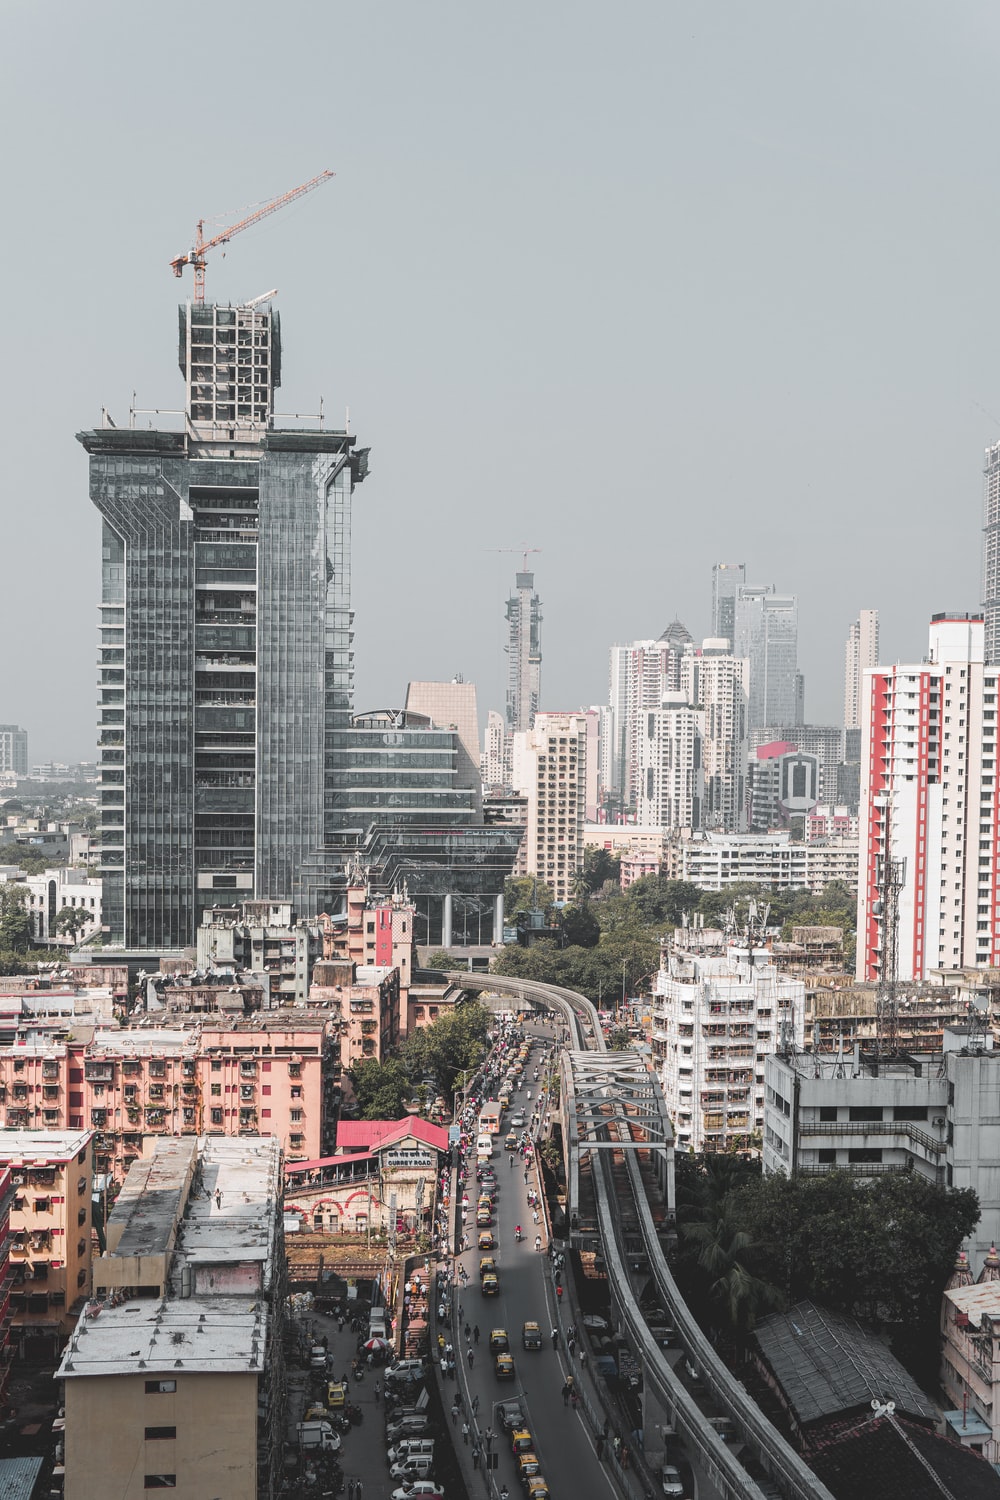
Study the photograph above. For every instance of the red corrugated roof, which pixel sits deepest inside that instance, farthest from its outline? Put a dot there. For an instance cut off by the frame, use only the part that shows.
(355, 1135)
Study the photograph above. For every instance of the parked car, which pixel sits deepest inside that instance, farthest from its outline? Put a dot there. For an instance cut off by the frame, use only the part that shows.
(409, 1426)
(419, 1489)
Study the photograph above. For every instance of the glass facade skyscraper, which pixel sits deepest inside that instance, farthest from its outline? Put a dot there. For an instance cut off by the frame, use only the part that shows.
(225, 638)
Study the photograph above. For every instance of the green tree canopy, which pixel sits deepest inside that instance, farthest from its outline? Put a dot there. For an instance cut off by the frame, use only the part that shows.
(15, 923)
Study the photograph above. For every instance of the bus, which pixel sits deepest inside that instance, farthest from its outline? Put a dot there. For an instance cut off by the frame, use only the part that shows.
(489, 1118)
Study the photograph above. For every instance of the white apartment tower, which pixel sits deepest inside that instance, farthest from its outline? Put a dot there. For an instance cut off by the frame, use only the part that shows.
(715, 1022)
(671, 781)
(718, 683)
(991, 554)
(550, 770)
(496, 753)
(860, 653)
(641, 672)
(929, 800)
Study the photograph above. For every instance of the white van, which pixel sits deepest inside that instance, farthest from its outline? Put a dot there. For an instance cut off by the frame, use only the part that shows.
(416, 1467)
(484, 1146)
(411, 1448)
(377, 1323)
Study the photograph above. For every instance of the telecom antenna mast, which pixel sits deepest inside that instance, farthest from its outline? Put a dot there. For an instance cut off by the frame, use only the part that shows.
(196, 256)
(890, 877)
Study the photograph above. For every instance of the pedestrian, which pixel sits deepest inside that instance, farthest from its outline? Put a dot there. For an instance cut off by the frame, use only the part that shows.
(358, 1489)
(559, 1293)
(378, 1392)
(583, 1358)
(454, 1414)
(475, 1334)
(465, 1433)
(571, 1346)
(605, 1429)
(565, 1394)
(350, 1489)
(475, 1403)
(468, 1330)
(599, 1445)
(471, 1357)
(555, 1338)
(476, 1455)
(624, 1456)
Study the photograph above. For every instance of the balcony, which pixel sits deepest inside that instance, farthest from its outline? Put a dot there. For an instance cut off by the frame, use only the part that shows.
(903, 1128)
(99, 1072)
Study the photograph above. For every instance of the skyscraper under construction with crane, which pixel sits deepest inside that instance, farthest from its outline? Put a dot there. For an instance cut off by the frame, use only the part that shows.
(226, 662)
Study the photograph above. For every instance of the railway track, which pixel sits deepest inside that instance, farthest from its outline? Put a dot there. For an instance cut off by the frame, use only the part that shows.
(623, 1212)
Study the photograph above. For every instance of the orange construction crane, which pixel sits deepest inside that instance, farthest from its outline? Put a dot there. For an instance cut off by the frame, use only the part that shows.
(196, 256)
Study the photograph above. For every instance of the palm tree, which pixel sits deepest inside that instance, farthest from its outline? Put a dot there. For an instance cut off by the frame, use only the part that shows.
(726, 1255)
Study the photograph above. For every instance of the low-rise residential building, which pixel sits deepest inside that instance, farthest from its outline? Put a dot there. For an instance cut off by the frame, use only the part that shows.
(970, 1357)
(174, 1375)
(263, 937)
(936, 1114)
(715, 1021)
(368, 1006)
(713, 861)
(52, 1177)
(274, 1073)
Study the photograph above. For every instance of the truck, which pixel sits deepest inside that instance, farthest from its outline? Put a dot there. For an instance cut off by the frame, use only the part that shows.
(489, 1118)
(318, 1435)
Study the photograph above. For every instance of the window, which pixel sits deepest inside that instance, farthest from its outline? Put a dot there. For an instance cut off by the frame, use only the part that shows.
(827, 1157)
(155, 1434)
(160, 1387)
(160, 1481)
(828, 1112)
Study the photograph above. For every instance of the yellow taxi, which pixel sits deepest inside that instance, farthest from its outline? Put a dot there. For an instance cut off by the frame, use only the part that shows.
(503, 1366)
(499, 1342)
(336, 1395)
(487, 1240)
(528, 1467)
(484, 1217)
(486, 1266)
(531, 1335)
(491, 1286)
(536, 1489)
(521, 1441)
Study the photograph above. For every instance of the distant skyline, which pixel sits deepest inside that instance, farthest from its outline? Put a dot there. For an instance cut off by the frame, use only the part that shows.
(645, 290)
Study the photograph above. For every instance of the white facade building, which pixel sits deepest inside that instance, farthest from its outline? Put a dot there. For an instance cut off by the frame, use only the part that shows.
(55, 889)
(715, 1022)
(718, 683)
(860, 653)
(716, 860)
(671, 781)
(550, 770)
(929, 798)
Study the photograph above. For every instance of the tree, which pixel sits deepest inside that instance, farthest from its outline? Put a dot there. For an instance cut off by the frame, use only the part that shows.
(15, 922)
(441, 959)
(599, 867)
(579, 925)
(525, 893)
(729, 1257)
(71, 920)
(381, 1088)
(455, 1043)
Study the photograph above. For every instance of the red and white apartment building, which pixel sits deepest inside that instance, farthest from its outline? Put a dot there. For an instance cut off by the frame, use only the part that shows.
(929, 801)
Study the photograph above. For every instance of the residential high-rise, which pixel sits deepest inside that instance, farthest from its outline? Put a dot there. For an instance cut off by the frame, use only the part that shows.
(766, 631)
(226, 653)
(524, 653)
(717, 683)
(671, 785)
(496, 752)
(727, 581)
(991, 554)
(929, 800)
(13, 749)
(860, 653)
(640, 673)
(550, 769)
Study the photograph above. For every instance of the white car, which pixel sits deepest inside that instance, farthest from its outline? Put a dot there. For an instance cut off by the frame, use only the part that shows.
(419, 1489)
(672, 1484)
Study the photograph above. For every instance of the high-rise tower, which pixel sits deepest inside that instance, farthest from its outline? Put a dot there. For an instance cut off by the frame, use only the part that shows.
(727, 581)
(766, 631)
(860, 653)
(226, 656)
(524, 653)
(991, 553)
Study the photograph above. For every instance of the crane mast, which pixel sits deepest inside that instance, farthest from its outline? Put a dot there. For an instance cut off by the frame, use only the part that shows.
(195, 257)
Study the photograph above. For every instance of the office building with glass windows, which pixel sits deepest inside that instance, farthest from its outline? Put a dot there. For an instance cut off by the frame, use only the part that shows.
(231, 767)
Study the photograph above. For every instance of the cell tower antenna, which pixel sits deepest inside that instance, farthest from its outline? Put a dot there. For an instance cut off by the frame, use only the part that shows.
(890, 877)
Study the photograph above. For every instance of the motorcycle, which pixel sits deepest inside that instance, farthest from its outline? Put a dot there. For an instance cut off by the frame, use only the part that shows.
(354, 1414)
(518, 1234)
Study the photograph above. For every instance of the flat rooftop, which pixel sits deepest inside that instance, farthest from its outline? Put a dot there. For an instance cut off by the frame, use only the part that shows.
(214, 1316)
(42, 1146)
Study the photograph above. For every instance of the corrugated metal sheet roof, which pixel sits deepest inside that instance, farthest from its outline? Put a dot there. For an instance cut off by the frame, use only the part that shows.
(827, 1364)
(18, 1477)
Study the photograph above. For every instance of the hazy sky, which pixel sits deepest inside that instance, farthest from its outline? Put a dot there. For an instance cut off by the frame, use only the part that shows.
(645, 286)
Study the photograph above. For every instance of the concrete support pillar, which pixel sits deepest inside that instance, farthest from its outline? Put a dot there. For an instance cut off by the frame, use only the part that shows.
(657, 1427)
(498, 919)
(446, 920)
